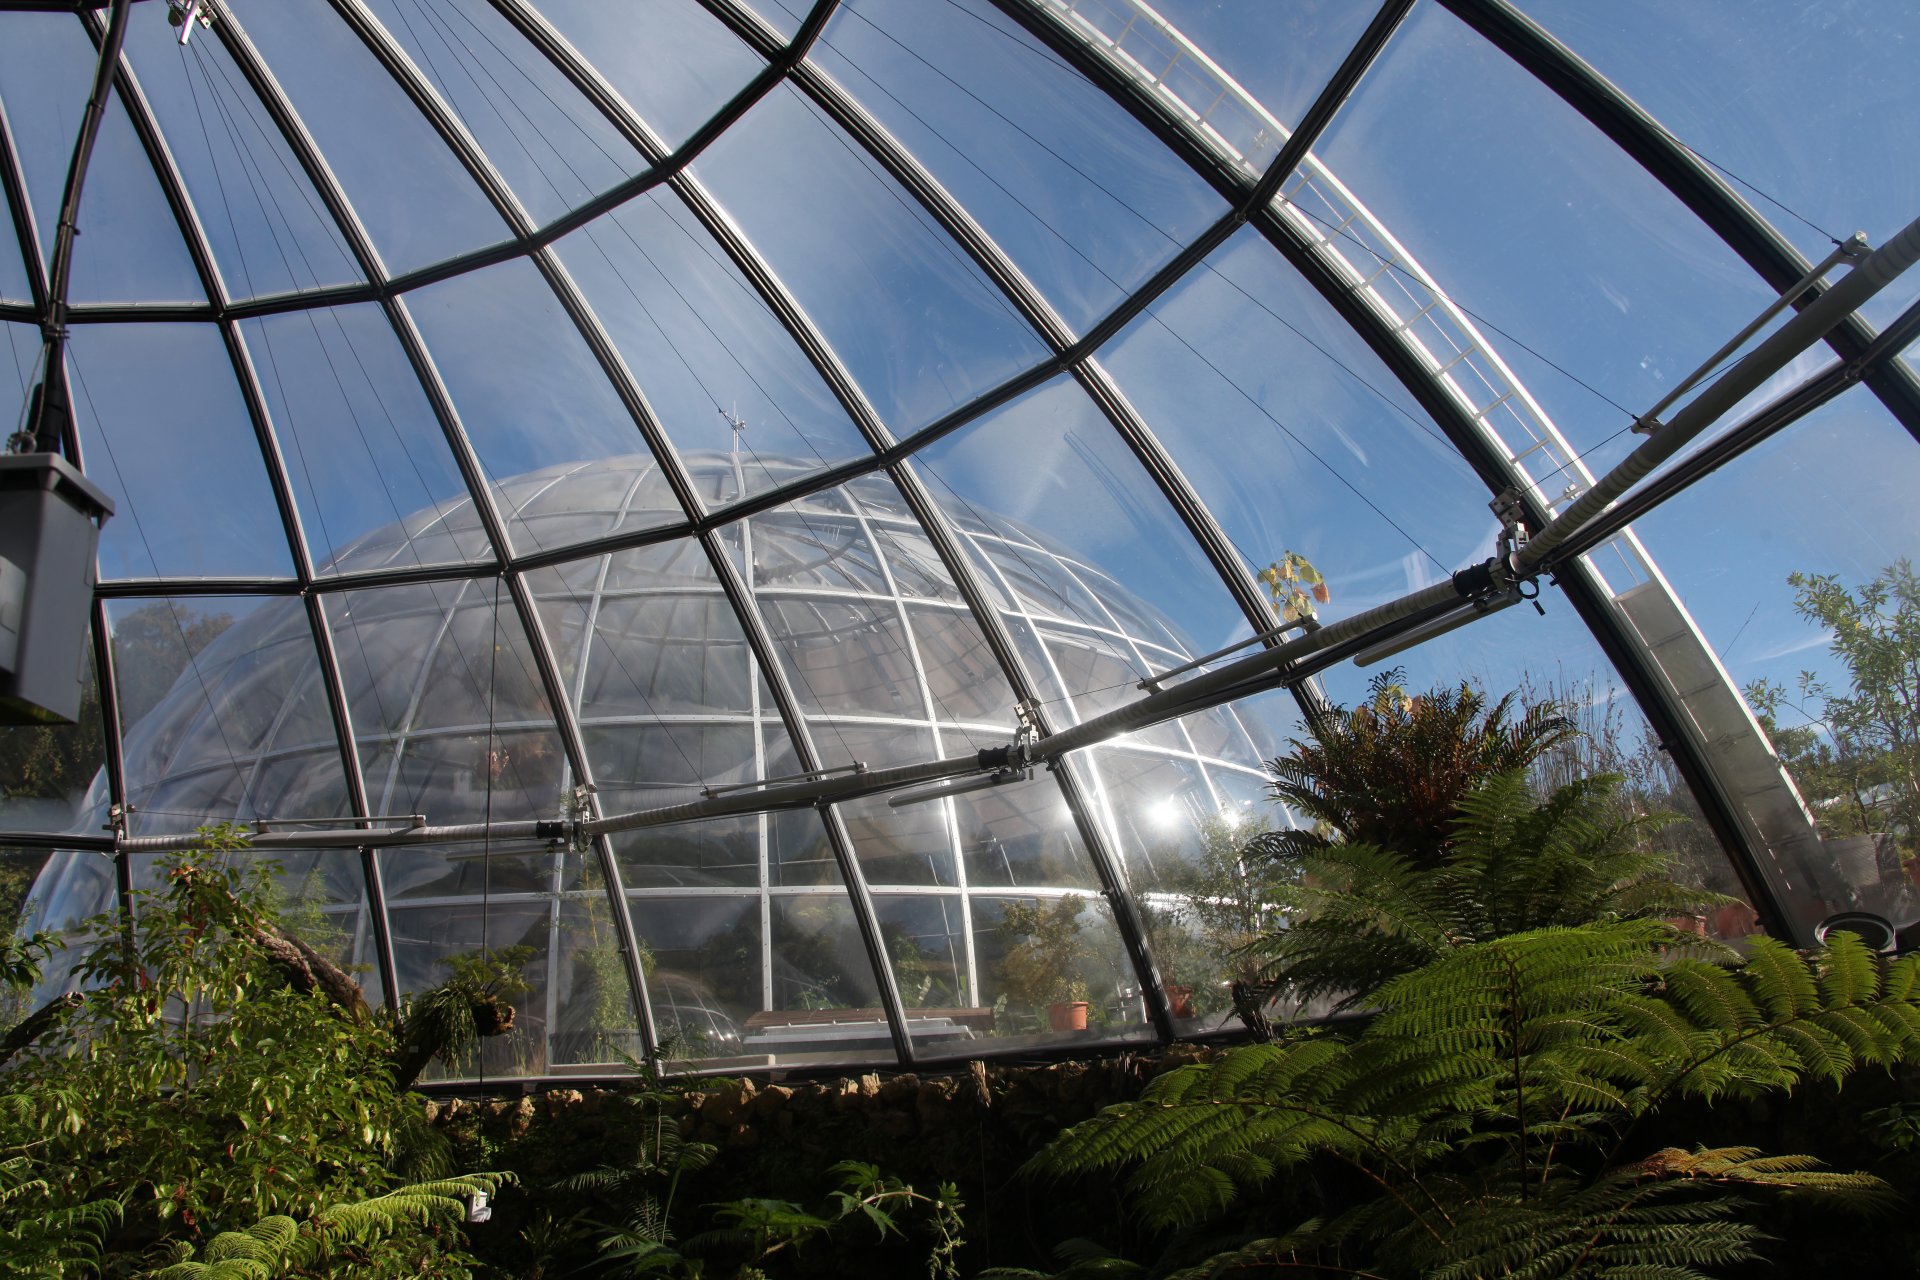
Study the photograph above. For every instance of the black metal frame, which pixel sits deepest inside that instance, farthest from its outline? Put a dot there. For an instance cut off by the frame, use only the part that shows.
(1869, 357)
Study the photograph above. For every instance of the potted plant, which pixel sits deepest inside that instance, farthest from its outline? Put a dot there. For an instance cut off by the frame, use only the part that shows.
(1045, 964)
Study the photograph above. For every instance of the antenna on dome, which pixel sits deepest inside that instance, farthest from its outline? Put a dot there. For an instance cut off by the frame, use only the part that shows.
(738, 423)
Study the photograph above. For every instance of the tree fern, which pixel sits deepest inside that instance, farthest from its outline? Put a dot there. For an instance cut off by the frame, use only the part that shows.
(1362, 913)
(1492, 1102)
(279, 1246)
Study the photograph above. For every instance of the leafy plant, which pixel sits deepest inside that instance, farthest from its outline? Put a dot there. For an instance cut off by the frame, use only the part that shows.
(1047, 961)
(349, 1234)
(1392, 773)
(759, 1230)
(1362, 914)
(448, 1021)
(1856, 752)
(214, 1073)
(1294, 587)
(1486, 1121)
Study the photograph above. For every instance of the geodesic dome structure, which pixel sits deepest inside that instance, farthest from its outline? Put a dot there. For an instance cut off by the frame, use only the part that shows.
(524, 413)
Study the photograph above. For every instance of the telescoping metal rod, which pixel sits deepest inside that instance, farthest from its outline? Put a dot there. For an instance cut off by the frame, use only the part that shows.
(1873, 274)
(793, 795)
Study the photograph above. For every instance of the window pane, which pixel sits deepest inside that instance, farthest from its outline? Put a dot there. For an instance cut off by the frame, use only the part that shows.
(918, 326)
(537, 405)
(375, 483)
(417, 201)
(706, 351)
(52, 776)
(223, 713)
(552, 146)
(673, 62)
(1042, 954)
(267, 227)
(1084, 199)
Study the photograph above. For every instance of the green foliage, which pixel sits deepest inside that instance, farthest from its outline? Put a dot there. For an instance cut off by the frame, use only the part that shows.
(1481, 1124)
(278, 1246)
(1392, 773)
(448, 1021)
(42, 1237)
(1856, 752)
(1294, 587)
(1047, 962)
(198, 1089)
(1362, 913)
(754, 1232)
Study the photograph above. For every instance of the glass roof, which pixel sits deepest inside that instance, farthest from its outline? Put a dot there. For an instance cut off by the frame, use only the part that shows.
(540, 410)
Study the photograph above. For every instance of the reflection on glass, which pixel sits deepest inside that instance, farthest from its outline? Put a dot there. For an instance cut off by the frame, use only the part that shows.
(1054, 969)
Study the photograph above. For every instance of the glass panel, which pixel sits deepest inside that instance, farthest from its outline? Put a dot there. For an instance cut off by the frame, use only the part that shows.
(536, 405)
(706, 350)
(1022, 835)
(926, 939)
(783, 16)
(909, 845)
(671, 61)
(223, 713)
(1814, 617)
(323, 902)
(845, 656)
(432, 944)
(22, 359)
(639, 766)
(921, 329)
(130, 247)
(69, 888)
(267, 227)
(731, 993)
(1038, 956)
(552, 146)
(1050, 476)
(820, 963)
(596, 1019)
(1553, 238)
(1809, 119)
(1276, 55)
(376, 485)
(963, 676)
(418, 203)
(52, 776)
(1333, 461)
(1086, 201)
(447, 703)
(166, 434)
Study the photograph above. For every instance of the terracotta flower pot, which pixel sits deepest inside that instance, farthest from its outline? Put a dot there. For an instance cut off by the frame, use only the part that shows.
(1068, 1015)
(1180, 1001)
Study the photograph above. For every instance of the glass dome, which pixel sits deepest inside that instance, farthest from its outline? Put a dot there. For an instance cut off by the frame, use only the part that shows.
(525, 413)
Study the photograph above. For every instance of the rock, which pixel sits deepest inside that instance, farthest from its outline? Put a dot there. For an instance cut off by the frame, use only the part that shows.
(729, 1106)
(901, 1088)
(559, 1100)
(432, 1110)
(773, 1098)
(742, 1136)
